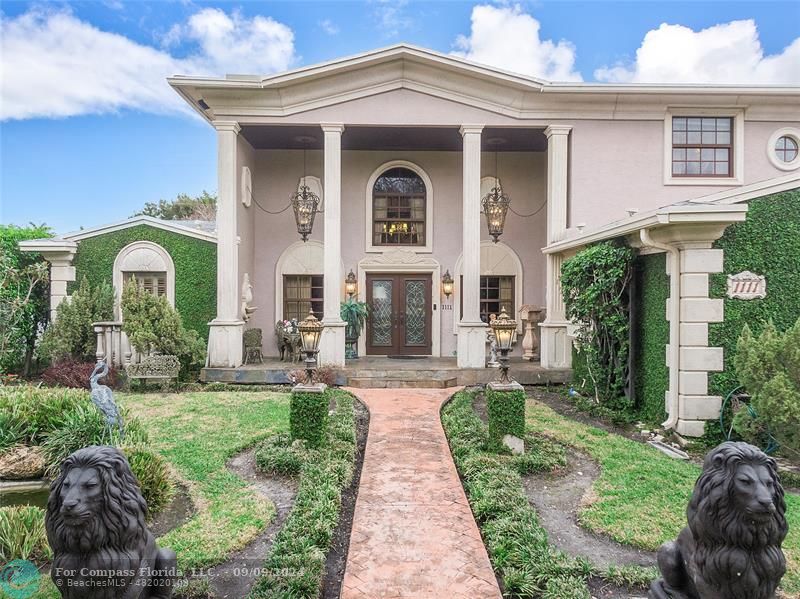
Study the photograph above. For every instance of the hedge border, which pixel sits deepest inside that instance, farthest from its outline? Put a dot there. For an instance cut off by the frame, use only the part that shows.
(506, 411)
(308, 416)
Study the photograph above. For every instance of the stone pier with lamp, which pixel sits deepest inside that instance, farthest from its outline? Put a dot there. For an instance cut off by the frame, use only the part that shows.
(505, 398)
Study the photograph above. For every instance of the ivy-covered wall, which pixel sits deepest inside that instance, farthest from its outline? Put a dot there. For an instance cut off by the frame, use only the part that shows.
(767, 243)
(651, 332)
(195, 268)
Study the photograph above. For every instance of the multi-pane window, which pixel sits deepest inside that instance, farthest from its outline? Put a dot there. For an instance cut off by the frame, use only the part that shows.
(398, 208)
(702, 146)
(496, 293)
(786, 148)
(152, 282)
(302, 293)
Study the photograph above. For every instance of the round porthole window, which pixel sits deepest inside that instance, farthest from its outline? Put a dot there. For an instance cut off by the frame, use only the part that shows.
(783, 149)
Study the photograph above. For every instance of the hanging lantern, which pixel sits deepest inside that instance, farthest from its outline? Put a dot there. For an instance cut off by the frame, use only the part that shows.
(495, 206)
(305, 204)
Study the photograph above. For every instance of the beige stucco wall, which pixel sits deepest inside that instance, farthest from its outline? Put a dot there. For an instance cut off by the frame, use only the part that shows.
(275, 178)
(616, 165)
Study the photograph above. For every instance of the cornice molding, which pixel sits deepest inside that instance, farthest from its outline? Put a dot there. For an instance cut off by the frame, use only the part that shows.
(232, 126)
(470, 130)
(552, 130)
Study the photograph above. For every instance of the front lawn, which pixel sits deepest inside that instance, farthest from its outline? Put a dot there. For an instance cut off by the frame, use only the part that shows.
(641, 495)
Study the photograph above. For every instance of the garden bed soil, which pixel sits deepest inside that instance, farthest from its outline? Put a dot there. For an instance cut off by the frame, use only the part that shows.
(176, 513)
(235, 577)
(337, 555)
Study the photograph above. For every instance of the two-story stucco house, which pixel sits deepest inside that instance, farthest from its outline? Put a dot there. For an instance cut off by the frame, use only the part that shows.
(401, 145)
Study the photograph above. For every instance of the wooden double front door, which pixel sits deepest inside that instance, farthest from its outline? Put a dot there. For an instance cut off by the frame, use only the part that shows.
(399, 320)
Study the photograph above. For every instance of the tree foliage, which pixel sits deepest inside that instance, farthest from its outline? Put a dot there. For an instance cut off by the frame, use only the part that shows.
(153, 326)
(184, 207)
(72, 334)
(768, 365)
(24, 298)
(595, 287)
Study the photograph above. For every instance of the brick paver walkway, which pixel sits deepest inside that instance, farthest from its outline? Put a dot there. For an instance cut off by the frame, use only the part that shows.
(413, 532)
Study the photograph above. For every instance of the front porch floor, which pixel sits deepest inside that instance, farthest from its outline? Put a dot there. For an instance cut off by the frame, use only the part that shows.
(383, 372)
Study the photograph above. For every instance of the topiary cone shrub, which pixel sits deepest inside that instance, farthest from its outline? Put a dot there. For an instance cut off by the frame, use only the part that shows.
(308, 416)
(506, 411)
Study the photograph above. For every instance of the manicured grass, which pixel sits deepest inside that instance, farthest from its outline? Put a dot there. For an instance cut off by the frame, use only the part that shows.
(641, 495)
(197, 433)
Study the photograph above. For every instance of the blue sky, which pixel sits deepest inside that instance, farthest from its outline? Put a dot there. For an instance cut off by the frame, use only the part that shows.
(90, 131)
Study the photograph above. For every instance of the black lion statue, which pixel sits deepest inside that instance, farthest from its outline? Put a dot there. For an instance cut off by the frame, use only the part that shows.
(96, 527)
(731, 548)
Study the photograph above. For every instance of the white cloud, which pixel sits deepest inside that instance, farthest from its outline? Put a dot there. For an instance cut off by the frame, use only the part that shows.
(725, 53)
(392, 17)
(55, 65)
(329, 27)
(508, 38)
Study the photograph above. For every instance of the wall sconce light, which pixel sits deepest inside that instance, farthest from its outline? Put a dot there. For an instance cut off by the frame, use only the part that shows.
(447, 284)
(351, 284)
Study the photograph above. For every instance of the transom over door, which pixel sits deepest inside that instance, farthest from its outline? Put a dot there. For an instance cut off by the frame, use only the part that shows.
(399, 320)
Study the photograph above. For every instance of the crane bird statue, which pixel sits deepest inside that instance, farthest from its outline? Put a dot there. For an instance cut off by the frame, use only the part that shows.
(103, 398)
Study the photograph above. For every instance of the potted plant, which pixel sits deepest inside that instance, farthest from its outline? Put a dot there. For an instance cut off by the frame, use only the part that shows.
(354, 313)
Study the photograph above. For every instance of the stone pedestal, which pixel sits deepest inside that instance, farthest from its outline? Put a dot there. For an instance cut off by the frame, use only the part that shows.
(531, 316)
(472, 345)
(225, 343)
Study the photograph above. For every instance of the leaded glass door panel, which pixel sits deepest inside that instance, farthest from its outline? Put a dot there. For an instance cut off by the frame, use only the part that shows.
(399, 322)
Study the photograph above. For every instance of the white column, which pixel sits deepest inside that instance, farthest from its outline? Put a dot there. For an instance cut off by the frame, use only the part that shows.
(471, 330)
(61, 274)
(331, 351)
(225, 333)
(556, 349)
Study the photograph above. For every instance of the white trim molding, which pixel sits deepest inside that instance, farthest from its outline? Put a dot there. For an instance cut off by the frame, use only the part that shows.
(420, 249)
(737, 114)
(164, 225)
(497, 260)
(792, 133)
(404, 260)
(142, 256)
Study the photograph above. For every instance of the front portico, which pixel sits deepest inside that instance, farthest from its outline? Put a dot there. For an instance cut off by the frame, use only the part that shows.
(396, 115)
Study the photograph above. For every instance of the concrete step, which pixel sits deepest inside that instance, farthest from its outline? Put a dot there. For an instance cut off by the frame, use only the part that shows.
(408, 382)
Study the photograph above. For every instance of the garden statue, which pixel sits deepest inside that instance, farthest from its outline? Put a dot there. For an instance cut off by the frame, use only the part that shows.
(492, 363)
(247, 298)
(103, 398)
(731, 548)
(96, 527)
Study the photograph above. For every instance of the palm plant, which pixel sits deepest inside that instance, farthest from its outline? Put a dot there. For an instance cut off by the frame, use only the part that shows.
(355, 314)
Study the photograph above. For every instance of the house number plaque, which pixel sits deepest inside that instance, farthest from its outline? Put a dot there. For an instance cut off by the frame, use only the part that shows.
(747, 286)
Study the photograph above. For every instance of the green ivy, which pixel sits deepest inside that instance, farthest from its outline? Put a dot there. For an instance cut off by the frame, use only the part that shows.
(506, 411)
(595, 287)
(195, 268)
(651, 375)
(767, 243)
(308, 417)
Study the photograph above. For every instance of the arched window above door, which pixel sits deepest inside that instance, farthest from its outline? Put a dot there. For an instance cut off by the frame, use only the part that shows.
(399, 210)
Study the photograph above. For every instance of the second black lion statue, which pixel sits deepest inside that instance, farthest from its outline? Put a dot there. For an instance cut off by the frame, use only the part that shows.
(96, 527)
(731, 548)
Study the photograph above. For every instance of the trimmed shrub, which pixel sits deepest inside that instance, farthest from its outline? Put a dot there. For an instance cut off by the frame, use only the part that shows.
(769, 368)
(152, 473)
(280, 455)
(22, 534)
(296, 563)
(153, 326)
(308, 417)
(72, 334)
(506, 410)
(515, 539)
(74, 373)
(83, 426)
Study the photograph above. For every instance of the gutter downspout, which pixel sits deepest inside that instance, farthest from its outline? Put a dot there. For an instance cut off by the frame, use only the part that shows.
(674, 323)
